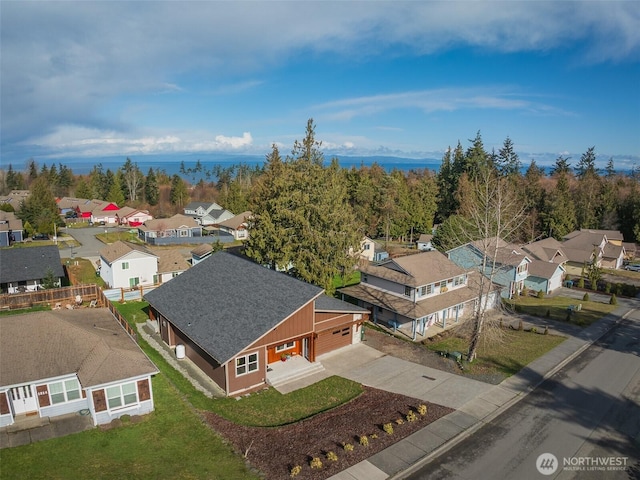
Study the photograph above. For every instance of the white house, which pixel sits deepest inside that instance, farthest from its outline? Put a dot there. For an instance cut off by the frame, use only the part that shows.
(127, 265)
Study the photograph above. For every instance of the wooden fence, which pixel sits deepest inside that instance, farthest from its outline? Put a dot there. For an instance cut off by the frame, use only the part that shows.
(50, 296)
(106, 302)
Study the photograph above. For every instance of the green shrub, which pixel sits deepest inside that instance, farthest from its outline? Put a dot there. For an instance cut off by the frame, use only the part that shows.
(332, 456)
(585, 298)
(534, 330)
(422, 409)
(295, 471)
(607, 288)
(348, 447)
(581, 283)
(388, 427)
(540, 294)
(613, 300)
(364, 440)
(315, 463)
(411, 416)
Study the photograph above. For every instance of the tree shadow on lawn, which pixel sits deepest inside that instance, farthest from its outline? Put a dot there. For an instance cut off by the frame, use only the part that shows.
(275, 451)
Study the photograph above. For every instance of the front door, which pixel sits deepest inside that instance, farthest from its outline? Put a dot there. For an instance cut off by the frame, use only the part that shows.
(23, 400)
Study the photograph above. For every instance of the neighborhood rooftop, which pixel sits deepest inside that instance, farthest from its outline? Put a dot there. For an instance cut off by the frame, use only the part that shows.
(225, 302)
(87, 341)
(22, 264)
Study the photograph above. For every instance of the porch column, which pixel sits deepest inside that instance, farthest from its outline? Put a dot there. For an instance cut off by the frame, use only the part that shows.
(414, 329)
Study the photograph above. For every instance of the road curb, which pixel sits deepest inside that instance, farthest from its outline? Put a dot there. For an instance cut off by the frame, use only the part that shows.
(448, 445)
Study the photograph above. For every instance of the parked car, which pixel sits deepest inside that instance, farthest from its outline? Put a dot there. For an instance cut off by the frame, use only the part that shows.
(40, 236)
(633, 268)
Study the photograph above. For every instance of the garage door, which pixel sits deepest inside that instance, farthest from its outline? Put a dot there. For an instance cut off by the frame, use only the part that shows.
(332, 339)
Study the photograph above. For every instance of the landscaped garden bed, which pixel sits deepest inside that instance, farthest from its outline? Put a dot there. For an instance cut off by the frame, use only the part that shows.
(277, 451)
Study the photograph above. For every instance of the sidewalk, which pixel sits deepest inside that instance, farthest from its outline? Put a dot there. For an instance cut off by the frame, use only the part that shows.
(418, 449)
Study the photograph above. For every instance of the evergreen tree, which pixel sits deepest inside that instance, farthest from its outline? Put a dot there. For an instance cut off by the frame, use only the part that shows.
(116, 195)
(302, 219)
(65, 181)
(179, 193)
(447, 186)
(587, 164)
(40, 208)
(561, 165)
(151, 189)
(33, 170)
(508, 161)
(14, 180)
(559, 216)
(83, 190)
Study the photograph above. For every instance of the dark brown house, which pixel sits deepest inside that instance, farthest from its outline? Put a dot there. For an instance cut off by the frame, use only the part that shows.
(235, 318)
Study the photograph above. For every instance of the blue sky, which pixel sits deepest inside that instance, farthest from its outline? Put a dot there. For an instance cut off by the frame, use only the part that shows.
(94, 79)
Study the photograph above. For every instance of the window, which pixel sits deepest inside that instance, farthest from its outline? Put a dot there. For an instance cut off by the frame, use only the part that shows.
(426, 290)
(458, 281)
(407, 291)
(522, 268)
(285, 346)
(121, 395)
(183, 233)
(367, 246)
(443, 284)
(66, 391)
(246, 364)
(125, 265)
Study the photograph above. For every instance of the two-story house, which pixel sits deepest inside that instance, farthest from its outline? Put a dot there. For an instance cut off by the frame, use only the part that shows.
(10, 229)
(207, 214)
(546, 270)
(586, 246)
(506, 263)
(414, 292)
(127, 265)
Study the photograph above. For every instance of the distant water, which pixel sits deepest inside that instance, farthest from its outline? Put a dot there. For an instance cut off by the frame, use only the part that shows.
(171, 163)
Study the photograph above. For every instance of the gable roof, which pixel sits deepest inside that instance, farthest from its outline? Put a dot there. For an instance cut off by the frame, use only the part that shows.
(9, 221)
(415, 270)
(542, 269)
(202, 250)
(21, 264)
(225, 303)
(547, 250)
(236, 221)
(425, 238)
(505, 253)
(177, 221)
(584, 240)
(206, 206)
(119, 249)
(89, 342)
(170, 261)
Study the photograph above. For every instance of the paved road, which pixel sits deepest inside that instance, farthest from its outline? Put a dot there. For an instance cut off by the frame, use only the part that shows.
(589, 409)
(89, 244)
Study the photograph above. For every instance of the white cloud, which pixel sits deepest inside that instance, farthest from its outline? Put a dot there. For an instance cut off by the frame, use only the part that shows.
(81, 141)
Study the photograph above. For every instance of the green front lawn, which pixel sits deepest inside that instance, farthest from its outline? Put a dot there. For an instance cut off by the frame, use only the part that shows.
(506, 358)
(114, 235)
(82, 271)
(171, 442)
(266, 408)
(555, 308)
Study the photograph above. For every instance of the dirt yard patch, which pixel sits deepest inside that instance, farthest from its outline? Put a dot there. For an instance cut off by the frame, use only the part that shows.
(275, 451)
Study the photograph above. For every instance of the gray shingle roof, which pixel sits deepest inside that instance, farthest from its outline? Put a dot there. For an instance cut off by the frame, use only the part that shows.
(225, 303)
(21, 264)
(325, 303)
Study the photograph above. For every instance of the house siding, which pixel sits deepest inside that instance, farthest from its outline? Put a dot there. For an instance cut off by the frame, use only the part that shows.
(100, 412)
(384, 284)
(248, 381)
(141, 266)
(193, 352)
(298, 324)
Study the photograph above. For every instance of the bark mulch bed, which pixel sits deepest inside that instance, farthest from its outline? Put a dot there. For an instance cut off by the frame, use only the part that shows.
(275, 451)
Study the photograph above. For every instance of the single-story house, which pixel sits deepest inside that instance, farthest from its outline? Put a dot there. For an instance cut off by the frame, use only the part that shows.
(200, 253)
(545, 276)
(127, 265)
(171, 263)
(237, 226)
(233, 318)
(15, 198)
(10, 229)
(25, 269)
(173, 230)
(424, 242)
(65, 361)
(132, 217)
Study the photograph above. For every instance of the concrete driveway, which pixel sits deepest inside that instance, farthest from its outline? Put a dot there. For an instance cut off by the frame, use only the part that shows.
(368, 366)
